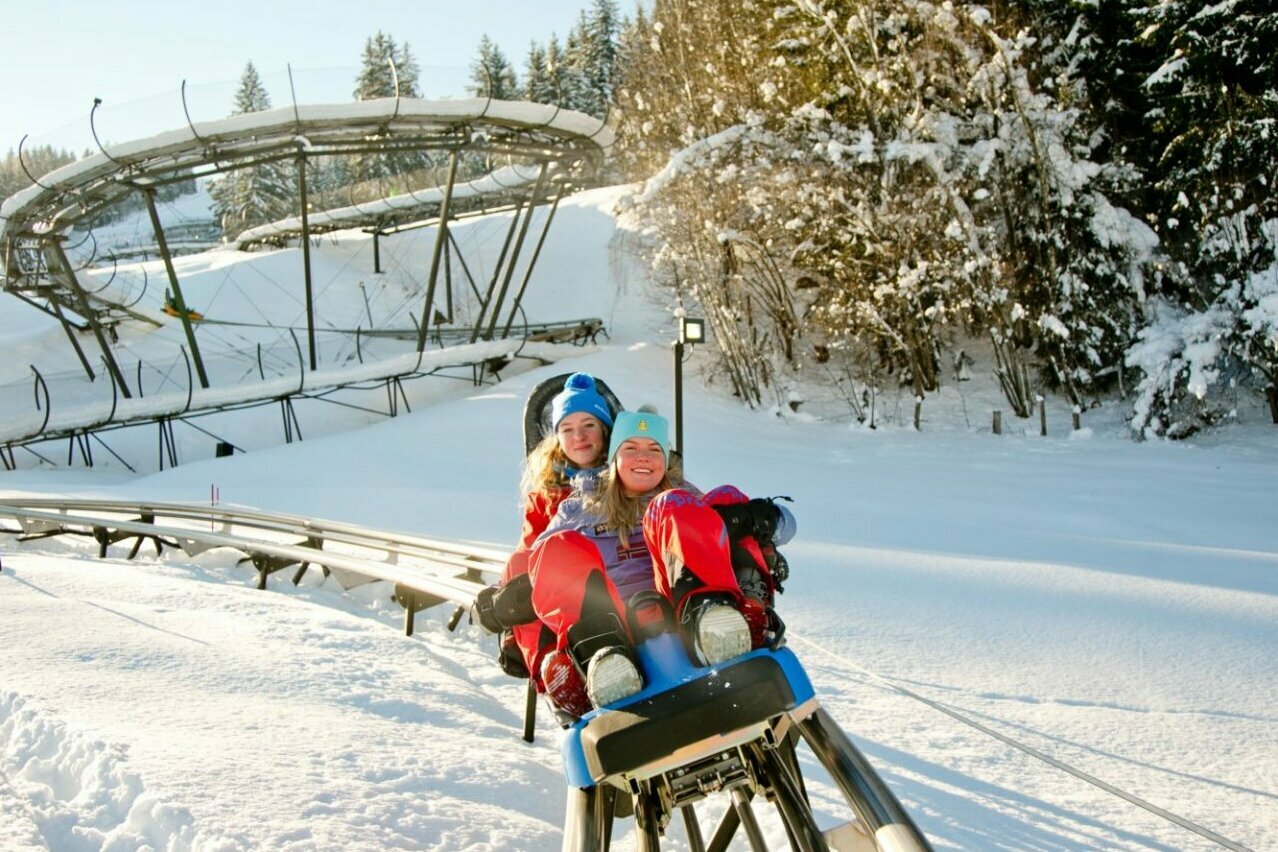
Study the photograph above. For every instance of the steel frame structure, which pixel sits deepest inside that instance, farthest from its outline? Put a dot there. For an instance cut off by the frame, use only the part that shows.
(565, 149)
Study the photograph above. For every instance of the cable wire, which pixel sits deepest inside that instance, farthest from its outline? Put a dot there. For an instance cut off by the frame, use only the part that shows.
(1184, 823)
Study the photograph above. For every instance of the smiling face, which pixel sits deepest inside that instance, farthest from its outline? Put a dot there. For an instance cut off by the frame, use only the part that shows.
(641, 465)
(581, 437)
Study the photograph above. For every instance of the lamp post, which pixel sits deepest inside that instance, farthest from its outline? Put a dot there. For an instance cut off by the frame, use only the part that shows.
(691, 331)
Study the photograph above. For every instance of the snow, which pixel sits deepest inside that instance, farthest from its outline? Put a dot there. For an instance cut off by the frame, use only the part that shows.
(1110, 603)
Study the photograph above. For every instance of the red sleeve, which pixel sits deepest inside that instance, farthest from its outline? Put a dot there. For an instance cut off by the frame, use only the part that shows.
(539, 508)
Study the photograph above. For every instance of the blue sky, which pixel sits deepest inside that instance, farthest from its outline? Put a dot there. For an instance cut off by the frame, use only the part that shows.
(134, 54)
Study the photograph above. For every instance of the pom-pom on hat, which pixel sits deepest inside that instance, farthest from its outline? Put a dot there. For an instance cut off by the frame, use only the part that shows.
(640, 424)
(579, 394)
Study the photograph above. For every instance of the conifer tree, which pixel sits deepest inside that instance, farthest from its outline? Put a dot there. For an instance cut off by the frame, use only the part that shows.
(39, 160)
(256, 194)
(376, 79)
(1214, 109)
(572, 77)
(409, 72)
(251, 96)
(386, 69)
(592, 56)
(556, 71)
(491, 74)
(538, 85)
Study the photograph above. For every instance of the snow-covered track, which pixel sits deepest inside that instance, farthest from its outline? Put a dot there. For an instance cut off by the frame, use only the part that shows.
(426, 572)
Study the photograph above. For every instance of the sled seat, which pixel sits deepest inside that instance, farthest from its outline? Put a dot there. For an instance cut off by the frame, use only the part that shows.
(664, 727)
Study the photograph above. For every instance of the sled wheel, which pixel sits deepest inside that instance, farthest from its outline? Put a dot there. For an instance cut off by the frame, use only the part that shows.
(647, 821)
(800, 825)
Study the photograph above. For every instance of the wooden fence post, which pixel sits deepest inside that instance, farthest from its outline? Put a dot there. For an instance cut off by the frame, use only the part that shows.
(998, 422)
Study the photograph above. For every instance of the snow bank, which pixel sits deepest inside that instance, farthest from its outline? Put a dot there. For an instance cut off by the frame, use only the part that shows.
(63, 789)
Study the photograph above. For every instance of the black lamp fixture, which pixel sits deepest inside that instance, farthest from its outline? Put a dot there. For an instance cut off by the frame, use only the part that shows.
(692, 330)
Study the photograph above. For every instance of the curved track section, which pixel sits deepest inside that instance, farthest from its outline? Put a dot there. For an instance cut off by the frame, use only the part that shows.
(487, 155)
(534, 132)
(500, 189)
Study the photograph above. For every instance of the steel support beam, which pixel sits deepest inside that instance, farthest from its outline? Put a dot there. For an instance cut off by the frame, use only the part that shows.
(63, 264)
(448, 276)
(532, 263)
(306, 261)
(455, 251)
(519, 244)
(441, 236)
(179, 301)
(501, 264)
(70, 330)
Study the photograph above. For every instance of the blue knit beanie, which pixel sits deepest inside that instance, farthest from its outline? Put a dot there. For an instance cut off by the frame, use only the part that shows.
(640, 424)
(579, 394)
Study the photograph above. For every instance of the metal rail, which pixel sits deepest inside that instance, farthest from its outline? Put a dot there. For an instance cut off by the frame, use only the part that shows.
(488, 357)
(426, 572)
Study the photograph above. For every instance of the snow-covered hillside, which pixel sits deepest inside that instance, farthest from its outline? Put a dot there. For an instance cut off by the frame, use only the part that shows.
(1111, 604)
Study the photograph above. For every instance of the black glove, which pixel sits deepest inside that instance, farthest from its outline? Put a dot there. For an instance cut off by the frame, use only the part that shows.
(505, 604)
(512, 604)
(502, 606)
(481, 611)
(757, 517)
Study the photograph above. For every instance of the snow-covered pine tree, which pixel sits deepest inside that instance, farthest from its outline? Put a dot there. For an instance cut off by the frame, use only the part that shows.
(376, 79)
(592, 57)
(1215, 104)
(251, 95)
(255, 194)
(386, 70)
(536, 83)
(408, 72)
(39, 160)
(1074, 262)
(491, 74)
(572, 79)
(556, 71)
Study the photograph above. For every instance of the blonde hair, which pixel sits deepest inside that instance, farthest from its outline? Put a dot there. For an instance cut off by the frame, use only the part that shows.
(621, 512)
(545, 468)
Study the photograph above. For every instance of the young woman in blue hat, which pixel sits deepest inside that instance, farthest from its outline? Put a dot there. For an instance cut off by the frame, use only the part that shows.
(576, 447)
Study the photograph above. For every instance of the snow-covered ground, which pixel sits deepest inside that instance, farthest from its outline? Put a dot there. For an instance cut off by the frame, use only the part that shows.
(1111, 604)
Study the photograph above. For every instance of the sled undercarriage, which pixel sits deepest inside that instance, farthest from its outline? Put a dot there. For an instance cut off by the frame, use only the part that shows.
(732, 732)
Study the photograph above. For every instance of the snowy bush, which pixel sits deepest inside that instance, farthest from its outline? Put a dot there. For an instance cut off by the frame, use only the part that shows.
(881, 178)
(901, 161)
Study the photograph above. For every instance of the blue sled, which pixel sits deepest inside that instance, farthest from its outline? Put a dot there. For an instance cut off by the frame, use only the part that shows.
(682, 705)
(695, 731)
